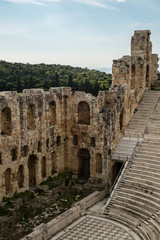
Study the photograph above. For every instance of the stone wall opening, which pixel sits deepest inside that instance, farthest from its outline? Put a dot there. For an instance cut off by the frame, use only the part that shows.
(58, 141)
(39, 146)
(8, 180)
(147, 75)
(6, 121)
(1, 162)
(14, 154)
(116, 168)
(31, 117)
(133, 75)
(83, 113)
(32, 162)
(20, 176)
(92, 142)
(24, 151)
(141, 76)
(98, 163)
(75, 140)
(43, 167)
(121, 119)
(47, 144)
(83, 163)
(52, 113)
(54, 163)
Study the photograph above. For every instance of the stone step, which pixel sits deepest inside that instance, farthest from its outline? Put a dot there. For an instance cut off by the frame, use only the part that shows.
(141, 213)
(145, 184)
(146, 162)
(145, 210)
(133, 221)
(145, 172)
(149, 152)
(145, 156)
(154, 179)
(146, 195)
(147, 168)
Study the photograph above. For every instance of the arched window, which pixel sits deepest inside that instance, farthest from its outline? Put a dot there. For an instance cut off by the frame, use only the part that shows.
(52, 113)
(83, 113)
(31, 117)
(20, 176)
(43, 167)
(98, 163)
(8, 180)
(83, 163)
(6, 121)
(133, 76)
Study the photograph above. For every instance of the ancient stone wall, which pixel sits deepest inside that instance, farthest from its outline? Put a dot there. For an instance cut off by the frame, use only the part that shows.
(61, 130)
(136, 72)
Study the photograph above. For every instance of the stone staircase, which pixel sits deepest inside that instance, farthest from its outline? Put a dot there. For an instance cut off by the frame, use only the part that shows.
(138, 124)
(135, 201)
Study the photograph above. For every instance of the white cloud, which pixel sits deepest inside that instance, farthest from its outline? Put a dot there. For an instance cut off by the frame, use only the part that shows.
(37, 2)
(96, 3)
(121, 0)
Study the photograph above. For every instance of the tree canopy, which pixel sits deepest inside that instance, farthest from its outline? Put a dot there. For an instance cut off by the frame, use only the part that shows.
(19, 76)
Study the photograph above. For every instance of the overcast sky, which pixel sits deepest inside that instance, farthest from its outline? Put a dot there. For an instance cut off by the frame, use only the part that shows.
(85, 33)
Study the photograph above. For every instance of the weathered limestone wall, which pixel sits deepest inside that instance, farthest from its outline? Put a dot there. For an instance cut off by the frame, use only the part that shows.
(61, 130)
(136, 72)
(56, 131)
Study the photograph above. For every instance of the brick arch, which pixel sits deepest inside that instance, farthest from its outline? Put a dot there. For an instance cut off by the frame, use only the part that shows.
(6, 121)
(83, 113)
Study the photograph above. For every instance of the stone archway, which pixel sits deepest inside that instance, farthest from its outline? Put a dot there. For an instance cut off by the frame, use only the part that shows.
(83, 163)
(20, 176)
(32, 162)
(8, 180)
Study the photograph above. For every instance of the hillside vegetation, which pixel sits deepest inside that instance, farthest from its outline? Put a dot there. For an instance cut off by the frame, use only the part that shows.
(18, 76)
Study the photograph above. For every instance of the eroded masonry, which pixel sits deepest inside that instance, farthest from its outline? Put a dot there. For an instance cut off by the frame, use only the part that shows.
(61, 130)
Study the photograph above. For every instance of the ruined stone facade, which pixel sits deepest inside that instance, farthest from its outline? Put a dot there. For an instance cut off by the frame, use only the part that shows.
(61, 130)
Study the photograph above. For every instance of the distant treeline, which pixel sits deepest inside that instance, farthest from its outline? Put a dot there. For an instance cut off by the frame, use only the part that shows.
(18, 76)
